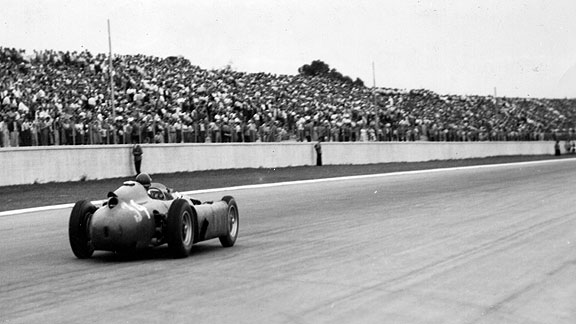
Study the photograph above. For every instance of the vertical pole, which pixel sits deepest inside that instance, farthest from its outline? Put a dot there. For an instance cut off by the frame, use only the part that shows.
(373, 76)
(377, 118)
(73, 130)
(111, 71)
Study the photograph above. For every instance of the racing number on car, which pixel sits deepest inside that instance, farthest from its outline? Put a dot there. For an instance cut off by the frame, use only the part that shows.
(137, 210)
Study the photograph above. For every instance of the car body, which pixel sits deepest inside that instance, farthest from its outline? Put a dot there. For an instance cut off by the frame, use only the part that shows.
(136, 216)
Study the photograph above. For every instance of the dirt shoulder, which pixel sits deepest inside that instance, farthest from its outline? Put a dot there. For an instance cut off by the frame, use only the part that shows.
(36, 195)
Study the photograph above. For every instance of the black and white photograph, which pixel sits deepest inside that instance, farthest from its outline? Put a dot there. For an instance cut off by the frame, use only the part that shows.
(288, 161)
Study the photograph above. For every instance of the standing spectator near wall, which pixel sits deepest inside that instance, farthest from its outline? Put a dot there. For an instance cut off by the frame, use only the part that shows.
(226, 132)
(238, 128)
(3, 132)
(202, 131)
(557, 148)
(272, 132)
(11, 123)
(318, 148)
(26, 133)
(300, 129)
(252, 131)
(262, 132)
(137, 153)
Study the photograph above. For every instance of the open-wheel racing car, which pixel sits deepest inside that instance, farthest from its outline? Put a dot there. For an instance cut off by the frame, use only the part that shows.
(142, 214)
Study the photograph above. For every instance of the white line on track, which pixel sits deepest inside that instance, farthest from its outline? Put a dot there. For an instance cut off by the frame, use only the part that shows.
(292, 183)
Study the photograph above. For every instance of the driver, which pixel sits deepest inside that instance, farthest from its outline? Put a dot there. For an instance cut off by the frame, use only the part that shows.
(144, 179)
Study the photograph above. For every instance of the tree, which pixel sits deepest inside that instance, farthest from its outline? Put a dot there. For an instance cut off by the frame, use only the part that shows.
(358, 82)
(316, 68)
(321, 69)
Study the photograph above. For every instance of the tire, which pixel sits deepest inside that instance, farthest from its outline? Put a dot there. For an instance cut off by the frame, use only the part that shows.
(180, 228)
(78, 230)
(233, 219)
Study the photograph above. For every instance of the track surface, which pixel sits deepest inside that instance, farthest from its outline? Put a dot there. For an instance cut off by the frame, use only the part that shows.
(486, 245)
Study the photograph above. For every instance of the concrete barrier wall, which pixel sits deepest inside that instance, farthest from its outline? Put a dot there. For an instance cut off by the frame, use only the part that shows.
(367, 153)
(73, 163)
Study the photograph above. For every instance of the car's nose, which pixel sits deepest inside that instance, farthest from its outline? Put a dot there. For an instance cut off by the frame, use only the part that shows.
(106, 233)
(120, 228)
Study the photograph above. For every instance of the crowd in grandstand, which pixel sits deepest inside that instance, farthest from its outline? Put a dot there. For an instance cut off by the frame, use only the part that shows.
(64, 98)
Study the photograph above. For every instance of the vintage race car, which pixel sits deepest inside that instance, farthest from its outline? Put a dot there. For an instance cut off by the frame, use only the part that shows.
(138, 216)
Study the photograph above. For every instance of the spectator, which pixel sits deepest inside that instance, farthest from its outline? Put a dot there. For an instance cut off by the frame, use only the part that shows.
(64, 95)
(137, 154)
(318, 149)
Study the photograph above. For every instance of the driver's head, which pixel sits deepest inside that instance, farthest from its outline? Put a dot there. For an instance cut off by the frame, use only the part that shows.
(144, 179)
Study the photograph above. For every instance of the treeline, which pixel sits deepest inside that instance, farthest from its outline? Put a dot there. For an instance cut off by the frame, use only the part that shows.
(321, 69)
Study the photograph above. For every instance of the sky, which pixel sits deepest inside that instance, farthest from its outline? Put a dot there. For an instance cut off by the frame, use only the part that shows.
(509, 48)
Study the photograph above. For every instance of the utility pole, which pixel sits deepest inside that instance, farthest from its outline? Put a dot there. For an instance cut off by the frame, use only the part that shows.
(111, 72)
(377, 118)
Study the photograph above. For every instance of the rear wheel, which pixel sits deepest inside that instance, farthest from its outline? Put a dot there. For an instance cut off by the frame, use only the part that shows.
(78, 229)
(233, 222)
(180, 228)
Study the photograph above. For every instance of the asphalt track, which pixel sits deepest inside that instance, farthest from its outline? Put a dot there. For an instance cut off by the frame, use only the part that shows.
(473, 245)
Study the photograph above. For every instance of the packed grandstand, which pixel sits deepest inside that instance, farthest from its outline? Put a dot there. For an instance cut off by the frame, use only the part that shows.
(64, 98)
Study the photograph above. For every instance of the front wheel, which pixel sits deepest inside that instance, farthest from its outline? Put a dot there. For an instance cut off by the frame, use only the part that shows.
(233, 222)
(180, 228)
(78, 229)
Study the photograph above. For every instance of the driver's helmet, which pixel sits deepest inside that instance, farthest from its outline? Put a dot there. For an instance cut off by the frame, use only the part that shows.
(144, 179)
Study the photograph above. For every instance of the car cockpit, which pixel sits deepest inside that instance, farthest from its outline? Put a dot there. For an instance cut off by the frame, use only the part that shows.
(160, 192)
